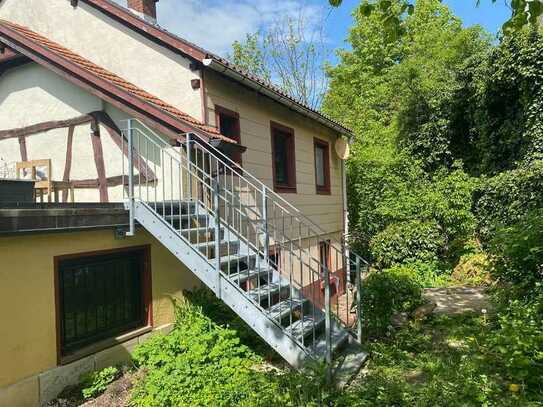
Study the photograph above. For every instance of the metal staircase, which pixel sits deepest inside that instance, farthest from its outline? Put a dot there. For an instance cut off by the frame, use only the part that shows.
(273, 266)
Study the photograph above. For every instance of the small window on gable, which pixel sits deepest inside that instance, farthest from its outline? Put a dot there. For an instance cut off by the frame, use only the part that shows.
(283, 158)
(322, 166)
(228, 125)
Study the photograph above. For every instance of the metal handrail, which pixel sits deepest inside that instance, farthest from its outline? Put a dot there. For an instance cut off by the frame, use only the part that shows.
(233, 207)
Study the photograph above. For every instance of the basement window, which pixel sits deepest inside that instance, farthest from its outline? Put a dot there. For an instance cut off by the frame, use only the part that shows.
(101, 296)
(283, 159)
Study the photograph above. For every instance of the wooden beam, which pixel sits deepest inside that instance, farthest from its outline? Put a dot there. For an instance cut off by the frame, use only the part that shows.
(99, 161)
(68, 165)
(45, 126)
(22, 147)
(116, 135)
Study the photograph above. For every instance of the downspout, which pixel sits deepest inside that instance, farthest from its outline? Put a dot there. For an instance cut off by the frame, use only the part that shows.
(345, 209)
(203, 96)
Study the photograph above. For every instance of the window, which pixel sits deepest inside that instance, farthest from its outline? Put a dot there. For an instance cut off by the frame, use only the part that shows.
(322, 166)
(228, 125)
(326, 260)
(283, 158)
(100, 296)
(324, 254)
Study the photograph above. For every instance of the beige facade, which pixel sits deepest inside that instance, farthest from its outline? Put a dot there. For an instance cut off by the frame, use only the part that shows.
(31, 94)
(28, 329)
(256, 112)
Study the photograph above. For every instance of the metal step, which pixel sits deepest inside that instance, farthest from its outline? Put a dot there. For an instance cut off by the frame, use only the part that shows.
(237, 259)
(200, 234)
(208, 247)
(189, 221)
(267, 290)
(175, 207)
(304, 326)
(339, 336)
(284, 308)
(242, 276)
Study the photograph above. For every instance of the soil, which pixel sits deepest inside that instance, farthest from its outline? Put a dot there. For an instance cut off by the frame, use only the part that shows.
(116, 395)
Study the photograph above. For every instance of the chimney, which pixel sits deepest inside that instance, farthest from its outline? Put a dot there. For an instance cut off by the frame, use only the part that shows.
(146, 9)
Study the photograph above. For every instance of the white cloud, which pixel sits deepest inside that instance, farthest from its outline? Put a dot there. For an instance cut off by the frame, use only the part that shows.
(216, 24)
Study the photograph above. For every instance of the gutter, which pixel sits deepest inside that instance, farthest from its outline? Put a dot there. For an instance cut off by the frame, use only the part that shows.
(224, 69)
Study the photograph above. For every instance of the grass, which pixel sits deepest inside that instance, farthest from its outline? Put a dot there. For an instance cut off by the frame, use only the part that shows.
(443, 362)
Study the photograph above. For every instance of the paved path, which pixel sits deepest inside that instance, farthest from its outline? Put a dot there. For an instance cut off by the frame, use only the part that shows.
(458, 300)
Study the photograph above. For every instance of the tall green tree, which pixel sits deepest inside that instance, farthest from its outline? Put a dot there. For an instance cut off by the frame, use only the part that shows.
(523, 12)
(402, 96)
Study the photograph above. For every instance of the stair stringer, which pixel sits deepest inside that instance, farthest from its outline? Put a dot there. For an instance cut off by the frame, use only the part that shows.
(232, 296)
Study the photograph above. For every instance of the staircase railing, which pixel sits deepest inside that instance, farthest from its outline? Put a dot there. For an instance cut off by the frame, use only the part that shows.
(292, 247)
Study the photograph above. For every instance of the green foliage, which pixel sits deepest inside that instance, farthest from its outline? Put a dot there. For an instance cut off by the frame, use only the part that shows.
(426, 275)
(504, 199)
(518, 251)
(386, 293)
(506, 122)
(198, 364)
(450, 361)
(472, 270)
(408, 242)
(516, 343)
(524, 12)
(249, 56)
(95, 383)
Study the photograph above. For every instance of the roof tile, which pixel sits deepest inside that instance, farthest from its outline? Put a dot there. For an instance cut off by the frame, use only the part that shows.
(112, 78)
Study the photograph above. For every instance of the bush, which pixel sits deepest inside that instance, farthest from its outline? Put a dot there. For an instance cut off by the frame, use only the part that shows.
(518, 251)
(201, 363)
(386, 293)
(516, 343)
(408, 242)
(472, 269)
(95, 383)
(426, 275)
(504, 199)
(198, 364)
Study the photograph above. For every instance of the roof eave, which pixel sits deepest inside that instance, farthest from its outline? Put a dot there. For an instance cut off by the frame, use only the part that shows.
(221, 68)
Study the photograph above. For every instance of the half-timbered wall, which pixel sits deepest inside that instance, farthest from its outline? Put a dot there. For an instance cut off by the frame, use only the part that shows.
(112, 46)
(42, 116)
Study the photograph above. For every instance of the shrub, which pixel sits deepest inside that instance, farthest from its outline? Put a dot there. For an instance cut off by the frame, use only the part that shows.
(425, 274)
(516, 342)
(408, 242)
(518, 251)
(472, 269)
(95, 383)
(198, 364)
(385, 293)
(504, 199)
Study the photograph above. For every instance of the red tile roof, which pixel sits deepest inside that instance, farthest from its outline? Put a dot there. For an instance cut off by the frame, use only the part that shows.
(169, 40)
(112, 78)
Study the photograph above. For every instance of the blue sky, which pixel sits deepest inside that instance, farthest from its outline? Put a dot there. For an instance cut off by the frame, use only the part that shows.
(490, 16)
(215, 24)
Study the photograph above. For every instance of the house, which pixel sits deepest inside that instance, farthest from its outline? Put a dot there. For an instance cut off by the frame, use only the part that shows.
(135, 165)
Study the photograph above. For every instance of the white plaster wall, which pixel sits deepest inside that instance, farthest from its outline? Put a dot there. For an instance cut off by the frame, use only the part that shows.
(31, 94)
(112, 46)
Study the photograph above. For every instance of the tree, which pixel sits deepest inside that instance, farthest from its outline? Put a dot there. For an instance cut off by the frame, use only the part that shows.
(523, 12)
(401, 96)
(291, 54)
(249, 56)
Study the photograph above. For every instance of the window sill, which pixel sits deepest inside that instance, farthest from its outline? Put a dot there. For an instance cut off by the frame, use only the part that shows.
(324, 192)
(284, 189)
(104, 344)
